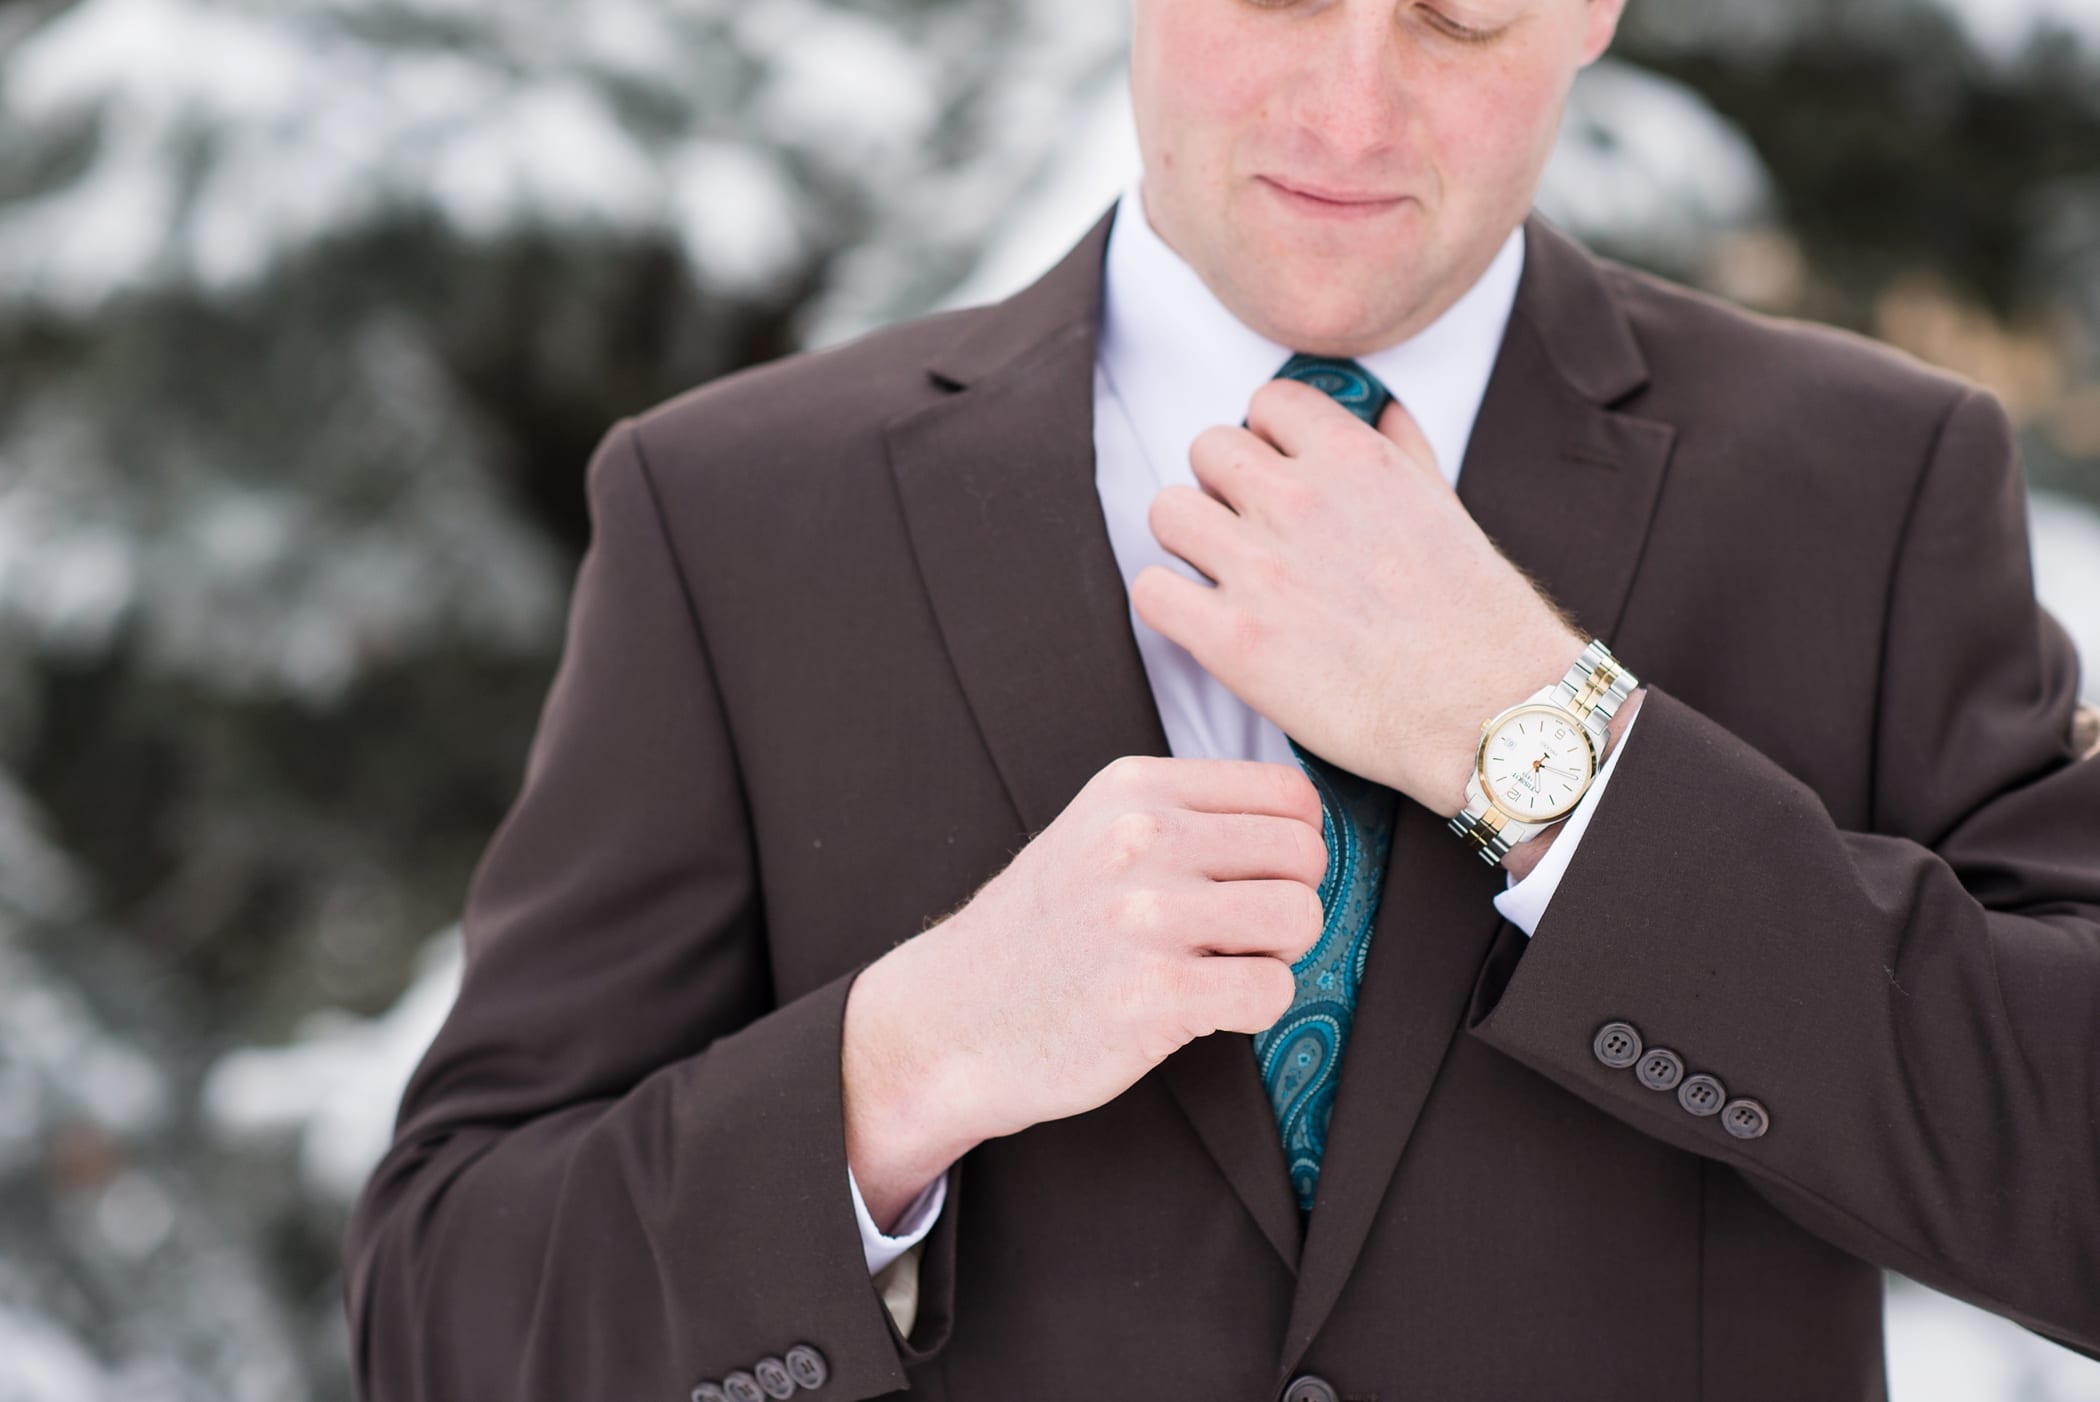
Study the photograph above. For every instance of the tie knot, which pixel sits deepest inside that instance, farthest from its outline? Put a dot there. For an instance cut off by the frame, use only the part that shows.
(1353, 387)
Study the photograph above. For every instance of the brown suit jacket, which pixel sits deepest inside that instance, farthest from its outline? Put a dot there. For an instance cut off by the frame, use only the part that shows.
(850, 631)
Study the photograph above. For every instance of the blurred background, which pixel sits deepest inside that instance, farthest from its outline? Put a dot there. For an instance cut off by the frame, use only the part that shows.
(311, 312)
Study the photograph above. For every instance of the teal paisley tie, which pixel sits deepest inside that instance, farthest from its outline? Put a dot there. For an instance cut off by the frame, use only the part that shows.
(1300, 1056)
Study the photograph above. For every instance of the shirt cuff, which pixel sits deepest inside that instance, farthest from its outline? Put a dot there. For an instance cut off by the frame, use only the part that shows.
(1523, 903)
(912, 1227)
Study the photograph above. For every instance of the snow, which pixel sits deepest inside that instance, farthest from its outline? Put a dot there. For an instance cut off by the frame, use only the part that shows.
(315, 126)
(1942, 1350)
(38, 881)
(840, 82)
(1645, 164)
(52, 1042)
(335, 1088)
(1101, 156)
(2004, 29)
(273, 590)
(736, 214)
(44, 1363)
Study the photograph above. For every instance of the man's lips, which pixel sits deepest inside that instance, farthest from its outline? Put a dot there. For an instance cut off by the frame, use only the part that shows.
(1334, 194)
(1331, 203)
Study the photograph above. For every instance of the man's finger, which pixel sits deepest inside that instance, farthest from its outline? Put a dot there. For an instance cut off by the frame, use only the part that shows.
(1400, 426)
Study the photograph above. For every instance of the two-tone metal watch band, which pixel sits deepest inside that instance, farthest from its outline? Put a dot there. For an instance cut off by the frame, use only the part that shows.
(1484, 830)
(1596, 684)
(1593, 688)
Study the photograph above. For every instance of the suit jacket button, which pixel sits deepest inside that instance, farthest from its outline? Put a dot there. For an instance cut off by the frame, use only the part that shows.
(806, 1366)
(708, 1392)
(1309, 1387)
(1702, 1094)
(1660, 1069)
(772, 1375)
(742, 1387)
(1617, 1044)
(1745, 1118)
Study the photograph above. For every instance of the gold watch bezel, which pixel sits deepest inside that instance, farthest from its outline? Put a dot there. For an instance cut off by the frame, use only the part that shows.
(1495, 722)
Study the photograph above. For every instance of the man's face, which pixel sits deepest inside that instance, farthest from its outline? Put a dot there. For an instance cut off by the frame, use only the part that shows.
(1442, 113)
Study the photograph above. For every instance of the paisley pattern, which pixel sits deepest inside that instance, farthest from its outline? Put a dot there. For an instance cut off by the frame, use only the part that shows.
(1353, 387)
(1300, 1056)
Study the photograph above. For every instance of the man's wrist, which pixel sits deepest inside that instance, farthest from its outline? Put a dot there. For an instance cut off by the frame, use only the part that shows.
(899, 1134)
(1549, 664)
(1521, 859)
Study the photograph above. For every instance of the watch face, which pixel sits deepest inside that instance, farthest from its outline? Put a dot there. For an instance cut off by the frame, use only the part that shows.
(1537, 763)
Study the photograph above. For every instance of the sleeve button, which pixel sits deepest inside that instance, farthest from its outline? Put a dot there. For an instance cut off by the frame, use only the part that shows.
(772, 1375)
(1310, 1387)
(1745, 1118)
(1702, 1094)
(742, 1387)
(1660, 1069)
(806, 1366)
(708, 1392)
(1617, 1044)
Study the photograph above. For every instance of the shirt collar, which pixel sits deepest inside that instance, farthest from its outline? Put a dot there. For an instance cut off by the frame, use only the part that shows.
(1180, 361)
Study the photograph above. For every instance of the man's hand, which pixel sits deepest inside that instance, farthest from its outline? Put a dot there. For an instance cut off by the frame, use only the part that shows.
(1357, 606)
(1167, 901)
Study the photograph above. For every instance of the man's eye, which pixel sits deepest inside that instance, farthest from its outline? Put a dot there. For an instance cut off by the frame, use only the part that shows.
(1451, 28)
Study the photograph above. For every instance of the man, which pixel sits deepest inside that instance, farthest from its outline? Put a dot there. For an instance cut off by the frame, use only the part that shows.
(992, 828)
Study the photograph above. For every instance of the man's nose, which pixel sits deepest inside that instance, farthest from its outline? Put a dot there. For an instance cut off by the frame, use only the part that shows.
(1352, 92)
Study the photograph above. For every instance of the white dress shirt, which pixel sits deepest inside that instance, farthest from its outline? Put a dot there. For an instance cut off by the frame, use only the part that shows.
(1171, 362)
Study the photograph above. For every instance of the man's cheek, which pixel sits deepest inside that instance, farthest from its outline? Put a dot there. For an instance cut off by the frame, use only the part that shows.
(1493, 136)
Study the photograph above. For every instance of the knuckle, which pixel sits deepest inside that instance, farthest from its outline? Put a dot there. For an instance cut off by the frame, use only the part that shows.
(1292, 499)
(1279, 988)
(1134, 832)
(1156, 993)
(1299, 789)
(1314, 917)
(1308, 932)
(1126, 771)
(1160, 513)
(1137, 912)
(1312, 849)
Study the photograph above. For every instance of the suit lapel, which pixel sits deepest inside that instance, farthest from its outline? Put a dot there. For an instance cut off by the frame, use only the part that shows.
(997, 487)
(996, 484)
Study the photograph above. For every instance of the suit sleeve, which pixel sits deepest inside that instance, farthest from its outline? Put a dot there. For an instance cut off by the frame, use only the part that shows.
(619, 1170)
(1915, 1008)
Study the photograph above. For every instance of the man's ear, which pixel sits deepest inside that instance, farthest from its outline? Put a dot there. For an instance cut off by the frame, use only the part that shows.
(1601, 23)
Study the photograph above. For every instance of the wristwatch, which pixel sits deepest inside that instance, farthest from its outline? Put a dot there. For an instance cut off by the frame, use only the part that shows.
(1538, 758)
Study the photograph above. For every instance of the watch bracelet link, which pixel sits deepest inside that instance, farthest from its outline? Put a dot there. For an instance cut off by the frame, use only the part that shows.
(1593, 688)
(1596, 683)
